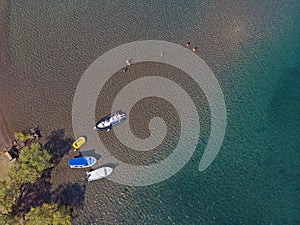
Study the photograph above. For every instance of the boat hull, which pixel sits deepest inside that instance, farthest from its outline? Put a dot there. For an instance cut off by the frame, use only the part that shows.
(108, 122)
(78, 143)
(82, 162)
(99, 173)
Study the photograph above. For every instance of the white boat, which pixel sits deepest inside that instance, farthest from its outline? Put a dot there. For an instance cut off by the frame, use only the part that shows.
(99, 173)
(107, 122)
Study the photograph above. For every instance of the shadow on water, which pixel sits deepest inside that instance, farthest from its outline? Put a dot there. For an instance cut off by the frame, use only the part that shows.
(91, 152)
(35, 194)
(58, 145)
(71, 194)
(111, 165)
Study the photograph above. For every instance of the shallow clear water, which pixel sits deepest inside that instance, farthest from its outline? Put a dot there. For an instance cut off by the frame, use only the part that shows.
(253, 49)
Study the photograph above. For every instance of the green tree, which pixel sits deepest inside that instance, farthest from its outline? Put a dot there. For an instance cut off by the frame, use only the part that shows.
(32, 161)
(48, 214)
(7, 220)
(20, 136)
(8, 197)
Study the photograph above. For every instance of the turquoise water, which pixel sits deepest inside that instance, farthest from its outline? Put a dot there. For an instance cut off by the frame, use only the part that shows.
(253, 48)
(255, 178)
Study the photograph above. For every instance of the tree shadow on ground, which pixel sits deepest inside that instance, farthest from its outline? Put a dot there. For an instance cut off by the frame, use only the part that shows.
(71, 194)
(58, 145)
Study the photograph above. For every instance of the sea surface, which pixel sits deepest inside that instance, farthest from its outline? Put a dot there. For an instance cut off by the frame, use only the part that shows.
(252, 47)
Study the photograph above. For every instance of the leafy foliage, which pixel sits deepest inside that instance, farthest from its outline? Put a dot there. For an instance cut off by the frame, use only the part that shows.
(5, 201)
(48, 214)
(8, 196)
(20, 136)
(28, 168)
(7, 220)
(31, 163)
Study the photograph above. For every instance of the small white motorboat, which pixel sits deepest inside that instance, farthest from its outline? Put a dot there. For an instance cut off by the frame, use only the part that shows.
(99, 173)
(109, 121)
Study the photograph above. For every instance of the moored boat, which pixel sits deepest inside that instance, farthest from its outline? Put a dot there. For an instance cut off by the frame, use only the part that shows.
(79, 142)
(99, 173)
(82, 162)
(109, 121)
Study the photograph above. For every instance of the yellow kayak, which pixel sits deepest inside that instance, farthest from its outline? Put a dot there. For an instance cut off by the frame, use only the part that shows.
(77, 144)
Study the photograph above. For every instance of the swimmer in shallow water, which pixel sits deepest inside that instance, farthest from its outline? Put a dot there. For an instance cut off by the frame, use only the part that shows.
(128, 61)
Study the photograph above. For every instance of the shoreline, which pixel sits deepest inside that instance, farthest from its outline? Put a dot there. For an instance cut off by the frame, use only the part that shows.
(5, 140)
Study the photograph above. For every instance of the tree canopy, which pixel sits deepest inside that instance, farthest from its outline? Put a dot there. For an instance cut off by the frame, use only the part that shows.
(32, 161)
(20, 136)
(6, 198)
(28, 168)
(48, 214)
(7, 220)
